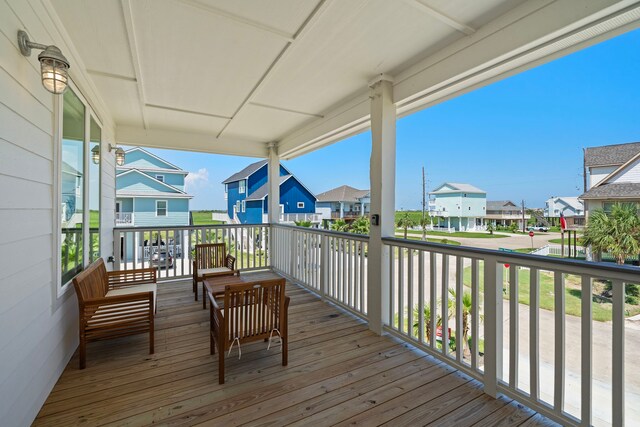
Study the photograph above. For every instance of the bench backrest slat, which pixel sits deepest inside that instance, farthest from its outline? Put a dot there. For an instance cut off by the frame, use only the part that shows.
(211, 255)
(92, 282)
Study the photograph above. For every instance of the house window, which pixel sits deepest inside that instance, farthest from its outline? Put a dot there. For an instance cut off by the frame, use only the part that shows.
(226, 188)
(160, 178)
(79, 184)
(161, 208)
(300, 205)
(242, 186)
(237, 205)
(244, 205)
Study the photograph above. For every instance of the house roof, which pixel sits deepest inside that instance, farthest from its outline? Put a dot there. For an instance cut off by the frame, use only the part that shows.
(173, 189)
(171, 166)
(622, 190)
(344, 193)
(457, 187)
(263, 191)
(499, 205)
(246, 172)
(610, 155)
(571, 201)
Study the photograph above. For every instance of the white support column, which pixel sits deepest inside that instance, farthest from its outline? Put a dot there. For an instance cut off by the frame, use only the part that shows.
(274, 184)
(383, 184)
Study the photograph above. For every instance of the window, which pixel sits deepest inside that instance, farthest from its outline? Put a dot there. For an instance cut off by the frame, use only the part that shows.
(160, 178)
(237, 205)
(226, 188)
(242, 186)
(300, 205)
(79, 184)
(161, 208)
(244, 205)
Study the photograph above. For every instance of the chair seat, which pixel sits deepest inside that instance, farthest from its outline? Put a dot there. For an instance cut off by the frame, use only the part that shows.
(213, 271)
(145, 287)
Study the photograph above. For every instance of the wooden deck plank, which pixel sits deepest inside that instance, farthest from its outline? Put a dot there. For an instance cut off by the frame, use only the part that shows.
(338, 372)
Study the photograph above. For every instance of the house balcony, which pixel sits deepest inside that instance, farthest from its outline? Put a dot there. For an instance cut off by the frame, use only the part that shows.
(526, 352)
(347, 215)
(124, 219)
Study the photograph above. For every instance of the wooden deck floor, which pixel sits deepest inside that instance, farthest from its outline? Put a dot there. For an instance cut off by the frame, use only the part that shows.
(339, 373)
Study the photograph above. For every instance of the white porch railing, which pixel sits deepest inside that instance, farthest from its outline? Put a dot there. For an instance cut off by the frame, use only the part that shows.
(292, 218)
(331, 264)
(523, 325)
(569, 367)
(124, 219)
(247, 243)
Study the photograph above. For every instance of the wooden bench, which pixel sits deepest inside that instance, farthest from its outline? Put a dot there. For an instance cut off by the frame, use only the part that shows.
(211, 260)
(114, 304)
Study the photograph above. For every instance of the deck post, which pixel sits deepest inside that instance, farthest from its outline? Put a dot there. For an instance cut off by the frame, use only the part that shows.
(273, 206)
(493, 285)
(383, 177)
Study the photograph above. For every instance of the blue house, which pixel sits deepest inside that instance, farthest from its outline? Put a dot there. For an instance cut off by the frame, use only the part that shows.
(247, 199)
(150, 191)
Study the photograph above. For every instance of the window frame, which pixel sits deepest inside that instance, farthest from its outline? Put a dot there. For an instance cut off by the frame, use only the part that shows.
(298, 205)
(61, 291)
(243, 206)
(242, 186)
(160, 177)
(166, 208)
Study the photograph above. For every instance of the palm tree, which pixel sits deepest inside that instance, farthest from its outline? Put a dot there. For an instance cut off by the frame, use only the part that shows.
(467, 308)
(360, 226)
(340, 225)
(424, 222)
(617, 233)
(303, 223)
(405, 221)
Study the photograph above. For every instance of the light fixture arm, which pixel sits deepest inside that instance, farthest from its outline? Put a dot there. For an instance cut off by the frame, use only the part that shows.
(26, 45)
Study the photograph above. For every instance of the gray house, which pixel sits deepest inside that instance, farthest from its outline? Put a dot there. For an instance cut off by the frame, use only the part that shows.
(343, 202)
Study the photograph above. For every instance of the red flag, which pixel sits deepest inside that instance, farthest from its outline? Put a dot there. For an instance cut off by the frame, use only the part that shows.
(563, 222)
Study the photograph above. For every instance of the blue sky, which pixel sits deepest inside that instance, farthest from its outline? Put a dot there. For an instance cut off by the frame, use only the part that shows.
(519, 138)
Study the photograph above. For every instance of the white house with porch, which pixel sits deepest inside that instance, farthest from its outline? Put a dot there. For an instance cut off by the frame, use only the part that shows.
(277, 80)
(461, 207)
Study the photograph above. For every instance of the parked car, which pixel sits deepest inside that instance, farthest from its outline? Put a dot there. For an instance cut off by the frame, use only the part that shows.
(538, 228)
(162, 258)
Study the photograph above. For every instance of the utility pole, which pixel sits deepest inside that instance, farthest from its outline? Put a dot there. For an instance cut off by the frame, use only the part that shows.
(424, 206)
(524, 224)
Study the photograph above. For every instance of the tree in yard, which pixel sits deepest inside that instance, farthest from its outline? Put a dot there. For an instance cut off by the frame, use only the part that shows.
(467, 308)
(361, 225)
(491, 228)
(340, 225)
(424, 223)
(617, 233)
(303, 223)
(405, 222)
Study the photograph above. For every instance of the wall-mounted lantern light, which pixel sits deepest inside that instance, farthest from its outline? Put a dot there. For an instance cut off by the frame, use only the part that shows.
(54, 67)
(95, 154)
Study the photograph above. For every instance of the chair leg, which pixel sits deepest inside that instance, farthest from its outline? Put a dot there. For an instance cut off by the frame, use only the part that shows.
(151, 339)
(220, 363)
(285, 351)
(195, 289)
(204, 296)
(83, 353)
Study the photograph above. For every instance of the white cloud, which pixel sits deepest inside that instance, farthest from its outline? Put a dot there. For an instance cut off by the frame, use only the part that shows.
(196, 179)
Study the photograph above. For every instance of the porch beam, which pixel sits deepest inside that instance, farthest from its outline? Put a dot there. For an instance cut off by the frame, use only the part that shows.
(513, 43)
(382, 176)
(274, 184)
(189, 141)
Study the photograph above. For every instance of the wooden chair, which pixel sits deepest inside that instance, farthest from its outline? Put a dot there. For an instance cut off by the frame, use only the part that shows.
(211, 259)
(114, 304)
(251, 312)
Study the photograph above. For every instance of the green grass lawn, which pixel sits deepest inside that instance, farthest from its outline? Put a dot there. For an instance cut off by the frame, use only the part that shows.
(203, 218)
(445, 241)
(479, 235)
(566, 241)
(573, 294)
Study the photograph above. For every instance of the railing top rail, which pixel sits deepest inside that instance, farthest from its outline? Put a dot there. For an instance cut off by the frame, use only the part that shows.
(188, 227)
(571, 266)
(352, 236)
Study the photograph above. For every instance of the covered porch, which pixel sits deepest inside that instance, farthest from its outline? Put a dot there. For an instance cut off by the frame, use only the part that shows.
(279, 80)
(339, 373)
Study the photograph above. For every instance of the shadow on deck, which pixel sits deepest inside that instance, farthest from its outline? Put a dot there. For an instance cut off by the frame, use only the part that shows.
(339, 373)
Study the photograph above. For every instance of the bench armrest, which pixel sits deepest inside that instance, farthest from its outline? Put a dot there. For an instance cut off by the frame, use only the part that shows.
(123, 278)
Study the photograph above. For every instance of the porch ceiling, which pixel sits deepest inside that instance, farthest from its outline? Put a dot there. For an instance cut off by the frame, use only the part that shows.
(228, 77)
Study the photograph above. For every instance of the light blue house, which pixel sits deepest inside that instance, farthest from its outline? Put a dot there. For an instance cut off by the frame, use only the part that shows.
(458, 206)
(150, 191)
(247, 199)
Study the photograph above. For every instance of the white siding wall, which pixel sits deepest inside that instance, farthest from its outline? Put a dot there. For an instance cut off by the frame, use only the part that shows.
(39, 330)
(629, 174)
(598, 174)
